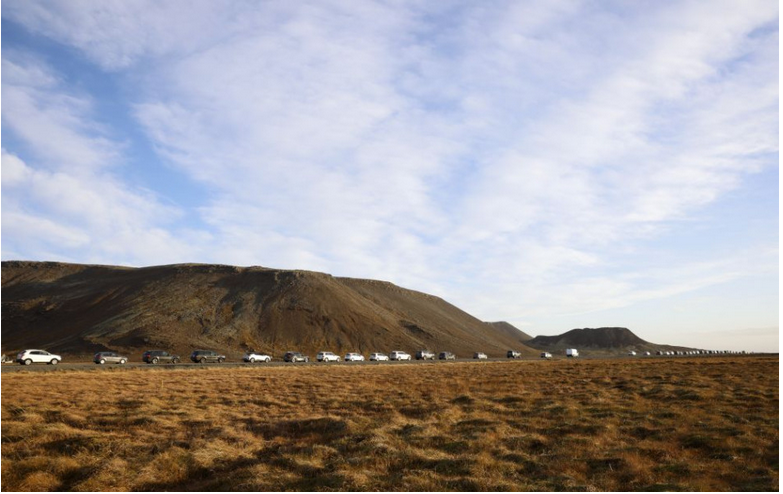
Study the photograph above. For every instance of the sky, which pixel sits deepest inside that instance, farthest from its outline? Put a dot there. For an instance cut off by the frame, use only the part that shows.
(554, 164)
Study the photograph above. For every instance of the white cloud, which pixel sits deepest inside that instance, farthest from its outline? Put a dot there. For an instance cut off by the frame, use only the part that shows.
(31, 229)
(83, 218)
(58, 125)
(68, 203)
(117, 34)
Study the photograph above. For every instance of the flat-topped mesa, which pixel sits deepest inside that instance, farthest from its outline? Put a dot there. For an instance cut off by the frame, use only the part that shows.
(607, 339)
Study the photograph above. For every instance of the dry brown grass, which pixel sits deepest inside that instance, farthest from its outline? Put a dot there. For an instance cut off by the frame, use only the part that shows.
(690, 424)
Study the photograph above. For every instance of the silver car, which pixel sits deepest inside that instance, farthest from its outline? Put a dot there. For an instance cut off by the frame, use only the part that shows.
(109, 358)
(354, 357)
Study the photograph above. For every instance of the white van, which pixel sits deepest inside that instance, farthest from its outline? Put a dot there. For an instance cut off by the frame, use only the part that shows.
(572, 352)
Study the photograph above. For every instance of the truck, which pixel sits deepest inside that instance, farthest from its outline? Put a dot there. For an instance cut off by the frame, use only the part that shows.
(572, 352)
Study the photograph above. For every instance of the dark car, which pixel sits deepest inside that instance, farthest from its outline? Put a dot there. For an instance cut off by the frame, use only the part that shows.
(295, 357)
(447, 356)
(204, 356)
(514, 354)
(425, 355)
(159, 356)
(108, 358)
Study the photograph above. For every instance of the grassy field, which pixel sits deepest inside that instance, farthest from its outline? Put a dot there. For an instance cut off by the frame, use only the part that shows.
(657, 424)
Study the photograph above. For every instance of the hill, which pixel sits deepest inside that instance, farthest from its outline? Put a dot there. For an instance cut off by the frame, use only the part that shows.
(79, 309)
(511, 330)
(598, 340)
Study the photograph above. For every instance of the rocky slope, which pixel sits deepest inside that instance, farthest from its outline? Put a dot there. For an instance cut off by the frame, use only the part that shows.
(511, 330)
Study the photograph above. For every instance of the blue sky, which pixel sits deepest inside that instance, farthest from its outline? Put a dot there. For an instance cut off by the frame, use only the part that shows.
(554, 164)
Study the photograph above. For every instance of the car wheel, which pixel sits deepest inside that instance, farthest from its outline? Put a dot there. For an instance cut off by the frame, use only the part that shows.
(54, 361)
(220, 360)
(267, 360)
(175, 361)
(155, 360)
(28, 362)
(203, 360)
(102, 361)
(252, 360)
(122, 361)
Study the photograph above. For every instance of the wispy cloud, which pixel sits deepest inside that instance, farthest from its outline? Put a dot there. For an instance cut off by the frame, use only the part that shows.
(72, 204)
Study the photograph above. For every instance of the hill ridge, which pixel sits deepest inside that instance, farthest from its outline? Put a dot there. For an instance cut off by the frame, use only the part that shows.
(79, 308)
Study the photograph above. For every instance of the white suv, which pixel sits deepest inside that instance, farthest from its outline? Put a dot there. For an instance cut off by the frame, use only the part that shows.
(354, 357)
(327, 357)
(399, 355)
(379, 357)
(253, 357)
(27, 357)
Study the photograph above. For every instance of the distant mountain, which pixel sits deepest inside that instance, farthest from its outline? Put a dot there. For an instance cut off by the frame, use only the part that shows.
(79, 309)
(600, 340)
(511, 330)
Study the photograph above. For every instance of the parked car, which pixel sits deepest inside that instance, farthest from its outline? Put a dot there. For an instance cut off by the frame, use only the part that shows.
(572, 352)
(354, 357)
(513, 354)
(546, 355)
(399, 355)
(480, 355)
(425, 355)
(5, 359)
(379, 357)
(256, 357)
(447, 356)
(204, 356)
(108, 358)
(159, 356)
(646, 354)
(327, 357)
(27, 357)
(295, 357)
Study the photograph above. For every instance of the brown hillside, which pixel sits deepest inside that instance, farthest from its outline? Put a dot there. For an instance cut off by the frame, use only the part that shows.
(78, 309)
(511, 330)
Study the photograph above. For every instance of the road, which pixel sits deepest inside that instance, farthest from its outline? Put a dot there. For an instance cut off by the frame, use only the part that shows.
(88, 365)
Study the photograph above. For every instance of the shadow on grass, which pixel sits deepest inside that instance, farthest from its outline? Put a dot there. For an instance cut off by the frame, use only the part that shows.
(323, 427)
